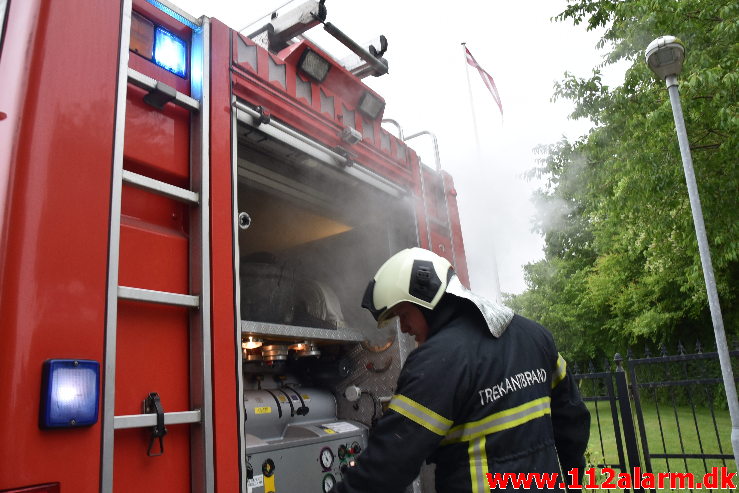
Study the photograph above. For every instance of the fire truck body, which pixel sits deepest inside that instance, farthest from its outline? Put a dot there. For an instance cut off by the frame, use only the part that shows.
(162, 217)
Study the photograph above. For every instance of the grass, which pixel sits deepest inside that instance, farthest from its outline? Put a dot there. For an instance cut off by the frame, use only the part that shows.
(669, 430)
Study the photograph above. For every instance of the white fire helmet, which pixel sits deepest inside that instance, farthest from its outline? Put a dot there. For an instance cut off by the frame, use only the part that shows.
(414, 275)
(422, 277)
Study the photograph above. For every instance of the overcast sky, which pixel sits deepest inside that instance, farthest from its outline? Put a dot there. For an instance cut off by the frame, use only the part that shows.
(427, 89)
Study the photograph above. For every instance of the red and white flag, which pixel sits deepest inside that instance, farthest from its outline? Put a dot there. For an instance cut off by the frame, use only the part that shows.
(486, 78)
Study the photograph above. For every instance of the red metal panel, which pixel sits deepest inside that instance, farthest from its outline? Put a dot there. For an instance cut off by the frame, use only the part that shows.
(441, 243)
(14, 72)
(172, 163)
(152, 334)
(42, 488)
(55, 233)
(422, 219)
(157, 215)
(171, 472)
(225, 366)
(255, 88)
(153, 355)
(456, 227)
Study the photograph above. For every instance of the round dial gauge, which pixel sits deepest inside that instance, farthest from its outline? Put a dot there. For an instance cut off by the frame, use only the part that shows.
(328, 482)
(327, 458)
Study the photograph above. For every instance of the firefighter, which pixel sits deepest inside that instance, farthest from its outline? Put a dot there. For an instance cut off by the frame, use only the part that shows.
(485, 390)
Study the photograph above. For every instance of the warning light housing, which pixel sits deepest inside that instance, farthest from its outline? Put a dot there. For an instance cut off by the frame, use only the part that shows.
(69, 393)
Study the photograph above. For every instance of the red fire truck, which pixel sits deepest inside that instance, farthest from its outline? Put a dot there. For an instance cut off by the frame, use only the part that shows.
(189, 218)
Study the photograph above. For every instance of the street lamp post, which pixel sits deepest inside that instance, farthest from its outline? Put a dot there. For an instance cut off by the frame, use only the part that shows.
(665, 57)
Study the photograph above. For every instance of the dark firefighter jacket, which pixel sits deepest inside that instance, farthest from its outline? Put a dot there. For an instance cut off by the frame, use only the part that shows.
(473, 404)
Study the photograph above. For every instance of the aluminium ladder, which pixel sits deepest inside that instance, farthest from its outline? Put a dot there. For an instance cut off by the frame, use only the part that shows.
(198, 300)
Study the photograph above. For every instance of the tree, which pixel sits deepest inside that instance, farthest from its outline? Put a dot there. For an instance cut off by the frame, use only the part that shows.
(621, 260)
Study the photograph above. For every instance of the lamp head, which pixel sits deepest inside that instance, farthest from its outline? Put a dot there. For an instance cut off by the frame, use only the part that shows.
(665, 56)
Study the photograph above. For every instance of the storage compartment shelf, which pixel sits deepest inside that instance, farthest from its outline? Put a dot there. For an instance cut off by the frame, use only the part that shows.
(342, 334)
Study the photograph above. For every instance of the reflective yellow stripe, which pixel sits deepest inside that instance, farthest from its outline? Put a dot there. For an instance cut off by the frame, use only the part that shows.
(560, 371)
(503, 420)
(478, 465)
(420, 414)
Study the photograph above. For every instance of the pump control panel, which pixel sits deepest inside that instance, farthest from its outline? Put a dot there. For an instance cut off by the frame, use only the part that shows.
(309, 463)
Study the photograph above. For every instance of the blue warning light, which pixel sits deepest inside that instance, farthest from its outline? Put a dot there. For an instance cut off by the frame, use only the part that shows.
(69, 393)
(170, 52)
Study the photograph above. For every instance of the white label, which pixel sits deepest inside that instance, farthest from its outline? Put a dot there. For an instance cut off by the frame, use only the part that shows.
(255, 482)
(340, 427)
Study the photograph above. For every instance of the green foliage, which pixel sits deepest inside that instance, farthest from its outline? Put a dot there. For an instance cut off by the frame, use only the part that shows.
(621, 260)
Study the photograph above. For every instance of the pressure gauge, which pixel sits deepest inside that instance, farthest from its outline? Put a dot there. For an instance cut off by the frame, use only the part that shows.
(327, 458)
(328, 482)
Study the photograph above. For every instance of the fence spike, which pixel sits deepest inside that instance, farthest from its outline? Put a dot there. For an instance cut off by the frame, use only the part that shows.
(629, 355)
(698, 347)
(606, 364)
(663, 349)
(647, 352)
(680, 348)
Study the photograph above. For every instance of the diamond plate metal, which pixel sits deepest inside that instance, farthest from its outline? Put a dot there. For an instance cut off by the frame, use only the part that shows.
(380, 383)
(301, 333)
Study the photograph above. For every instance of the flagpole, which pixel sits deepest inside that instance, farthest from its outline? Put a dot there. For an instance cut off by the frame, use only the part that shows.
(496, 277)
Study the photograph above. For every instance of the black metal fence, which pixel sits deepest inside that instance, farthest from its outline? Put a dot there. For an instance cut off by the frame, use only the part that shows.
(659, 412)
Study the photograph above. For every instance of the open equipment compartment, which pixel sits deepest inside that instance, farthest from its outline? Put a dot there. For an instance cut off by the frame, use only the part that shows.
(311, 235)
(316, 235)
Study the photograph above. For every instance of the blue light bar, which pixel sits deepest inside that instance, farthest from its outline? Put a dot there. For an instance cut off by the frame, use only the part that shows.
(69, 393)
(170, 52)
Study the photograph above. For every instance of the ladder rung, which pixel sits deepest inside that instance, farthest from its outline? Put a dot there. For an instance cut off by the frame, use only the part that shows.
(160, 187)
(146, 420)
(148, 84)
(161, 297)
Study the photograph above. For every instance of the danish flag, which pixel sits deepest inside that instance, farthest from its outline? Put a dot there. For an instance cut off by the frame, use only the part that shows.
(487, 79)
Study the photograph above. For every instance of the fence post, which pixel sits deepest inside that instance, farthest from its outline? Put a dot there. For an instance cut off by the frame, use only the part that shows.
(632, 450)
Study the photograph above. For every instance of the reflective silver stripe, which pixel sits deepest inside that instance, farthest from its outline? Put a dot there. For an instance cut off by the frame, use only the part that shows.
(420, 414)
(560, 371)
(478, 465)
(503, 420)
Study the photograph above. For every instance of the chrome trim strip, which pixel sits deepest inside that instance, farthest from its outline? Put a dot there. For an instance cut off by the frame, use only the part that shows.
(237, 300)
(201, 381)
(156, 186)
(287, 135)
(148, 84)
(146, 420)
(111, 319)
(160, 297)
(175, 11)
